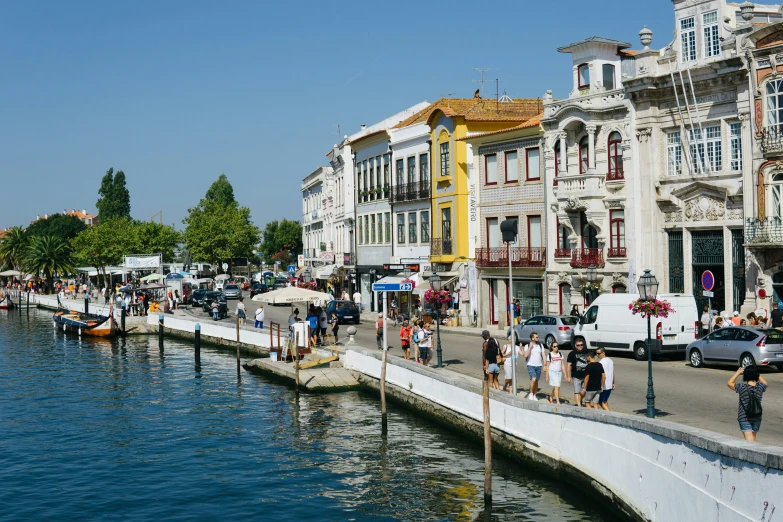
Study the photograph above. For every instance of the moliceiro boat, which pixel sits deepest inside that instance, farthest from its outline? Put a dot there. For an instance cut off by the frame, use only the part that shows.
(87, 324)
(6, 303)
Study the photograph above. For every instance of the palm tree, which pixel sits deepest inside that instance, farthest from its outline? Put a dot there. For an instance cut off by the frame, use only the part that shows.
(12, 248)
(48, 254)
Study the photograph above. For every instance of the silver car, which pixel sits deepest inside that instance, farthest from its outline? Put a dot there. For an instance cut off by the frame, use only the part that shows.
(738, 345)
(550, 328)
(232, 291)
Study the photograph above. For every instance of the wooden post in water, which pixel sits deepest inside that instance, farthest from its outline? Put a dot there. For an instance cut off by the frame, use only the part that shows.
(383, 391)
(86, 305)
(487, 443)
(160, 331)
(20, 301)
(237, 328)
(123, 314)
(295, 355)
(197, 341)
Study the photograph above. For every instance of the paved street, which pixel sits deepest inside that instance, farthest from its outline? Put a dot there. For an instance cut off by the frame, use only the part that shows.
(696, 397)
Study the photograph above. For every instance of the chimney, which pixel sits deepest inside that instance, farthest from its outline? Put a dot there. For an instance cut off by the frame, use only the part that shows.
(364, 127)
(37, 217)
(84, 211)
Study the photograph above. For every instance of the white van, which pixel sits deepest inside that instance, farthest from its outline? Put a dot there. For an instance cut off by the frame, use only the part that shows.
(608, 323)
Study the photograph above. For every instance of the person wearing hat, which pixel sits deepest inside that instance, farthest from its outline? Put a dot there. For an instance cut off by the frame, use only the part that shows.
(736, 319)
(489, 359)
(379, 331)
(406, 334)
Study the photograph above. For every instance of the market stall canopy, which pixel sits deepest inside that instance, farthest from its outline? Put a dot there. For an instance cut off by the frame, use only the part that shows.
(153, 277)
(152, 286)
(28, 277)
(10, 273)
(220, 277)
(325, 272)
(290, 294)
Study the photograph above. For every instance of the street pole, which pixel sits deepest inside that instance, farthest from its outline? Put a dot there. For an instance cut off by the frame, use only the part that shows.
(650, 391)
(384, 356)
(513, 333)
(487, 442)
(440, 350)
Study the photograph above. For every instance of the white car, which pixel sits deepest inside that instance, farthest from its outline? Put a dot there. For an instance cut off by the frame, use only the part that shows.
(609, 324)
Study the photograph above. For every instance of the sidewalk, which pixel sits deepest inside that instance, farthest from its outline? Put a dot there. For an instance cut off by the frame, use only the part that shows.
(371, 317)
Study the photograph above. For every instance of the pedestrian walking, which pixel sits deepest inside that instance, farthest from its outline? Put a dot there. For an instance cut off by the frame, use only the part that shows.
(260, 313)
(595, 379)
(534, 355)
(215, 309)
(178, 300)
(508, 364)
(241, 312)
(425, 344)
(415, 339)
(323, 323)
(335, 327)
(554, 371)
(312, 320)
(292, 320)
(749, 411)
(379, 331)
(575, 311)
(705, 321)
(576, 368)
(490, 352)
(736, 319)
(357, 298)
(406, 335)
(776, 317)
(609, 384)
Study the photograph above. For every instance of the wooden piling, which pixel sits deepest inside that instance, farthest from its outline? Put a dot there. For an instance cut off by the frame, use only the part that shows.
(197, 341)
(160, 331)
(296, 359)
(487, 444)
(237, 328)
(383, 390)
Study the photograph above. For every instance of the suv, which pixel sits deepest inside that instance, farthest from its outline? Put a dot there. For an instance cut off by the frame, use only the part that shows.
(346, 311)
(212, 296)
(258, 288)
(197, 297)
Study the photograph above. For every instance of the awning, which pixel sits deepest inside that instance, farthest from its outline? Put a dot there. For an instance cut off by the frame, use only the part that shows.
(325, 272)
(445, 281)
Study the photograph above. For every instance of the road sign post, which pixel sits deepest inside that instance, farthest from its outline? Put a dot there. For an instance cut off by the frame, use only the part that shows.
(708, 283)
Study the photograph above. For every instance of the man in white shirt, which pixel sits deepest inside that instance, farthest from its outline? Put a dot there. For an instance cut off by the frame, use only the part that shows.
(705, 322)
(608, 364)
(534, 353)
(357, 298)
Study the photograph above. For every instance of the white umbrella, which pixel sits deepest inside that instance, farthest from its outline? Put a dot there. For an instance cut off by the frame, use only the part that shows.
(290, 294)
(30, 276)
(220, 277)
(153, 277)
(10, 273)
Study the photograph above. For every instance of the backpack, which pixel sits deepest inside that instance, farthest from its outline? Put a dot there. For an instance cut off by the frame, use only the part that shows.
(753, 410)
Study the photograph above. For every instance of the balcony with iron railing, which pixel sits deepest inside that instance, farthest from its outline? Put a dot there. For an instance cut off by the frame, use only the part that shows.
(617, 252)
(615, 175)
(586, 257)
(520, 257)
(441, 247)
(764, 233)
(562, 252)
(772, 139)
(411, 191)
(373, 194)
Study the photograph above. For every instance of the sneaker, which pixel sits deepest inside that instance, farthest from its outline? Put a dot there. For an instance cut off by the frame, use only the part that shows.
(532, 397)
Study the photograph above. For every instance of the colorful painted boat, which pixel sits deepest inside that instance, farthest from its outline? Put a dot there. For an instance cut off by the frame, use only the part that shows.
(6, 303)
(86, 324)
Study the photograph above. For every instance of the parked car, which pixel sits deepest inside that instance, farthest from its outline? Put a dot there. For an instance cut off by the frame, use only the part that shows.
(232, 291)
(608, 323)
(346, 311)
(279, 283)
(550, 328)
(212, 296)
(197, 298)
(738, 345)
(258, 288)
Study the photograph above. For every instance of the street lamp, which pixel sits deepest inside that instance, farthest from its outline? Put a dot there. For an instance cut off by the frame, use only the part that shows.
(306, 276)
(509, 228)
(435, 283)
(591, 276)
(648, 289)
(406, 274)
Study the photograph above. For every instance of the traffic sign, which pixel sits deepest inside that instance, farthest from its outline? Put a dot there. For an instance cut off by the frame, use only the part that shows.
(291, 269)
(707, 280)
(392, 287)
(707, 293)
(225, 266)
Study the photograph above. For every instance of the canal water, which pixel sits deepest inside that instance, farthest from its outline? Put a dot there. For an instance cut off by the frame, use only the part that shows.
(118, 430)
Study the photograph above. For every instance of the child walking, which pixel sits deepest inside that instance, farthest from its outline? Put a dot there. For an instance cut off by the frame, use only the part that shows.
(554, 371)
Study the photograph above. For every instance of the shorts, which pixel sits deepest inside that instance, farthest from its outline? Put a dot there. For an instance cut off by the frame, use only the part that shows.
(604, 396)
(555, 378)
(591, 395)
(493, 368)
(406, 346)
(534, 372)
(508, 369)
(750, 425)
(578, 383)
(423, 351)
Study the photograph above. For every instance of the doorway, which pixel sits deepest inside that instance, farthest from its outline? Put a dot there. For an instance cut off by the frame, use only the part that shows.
(707, 248)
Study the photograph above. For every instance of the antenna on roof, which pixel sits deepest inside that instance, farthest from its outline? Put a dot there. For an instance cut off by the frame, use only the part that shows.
(338, 131)
(505, 98)
(448, 96)
(481, 81)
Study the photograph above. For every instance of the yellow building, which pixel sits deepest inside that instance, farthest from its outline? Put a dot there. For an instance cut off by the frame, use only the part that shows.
(454, 183)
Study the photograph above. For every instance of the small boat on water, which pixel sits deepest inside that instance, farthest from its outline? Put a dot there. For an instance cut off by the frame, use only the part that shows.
(6, 303)
(87, 324)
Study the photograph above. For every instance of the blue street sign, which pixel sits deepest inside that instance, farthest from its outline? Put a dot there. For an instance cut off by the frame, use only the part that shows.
(291, 269)
(707, 280)
(392, 287)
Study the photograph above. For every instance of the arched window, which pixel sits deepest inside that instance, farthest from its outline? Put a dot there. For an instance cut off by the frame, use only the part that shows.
(565, 298)
(774, 122)
(583, 72)
(589, 236)
(619, 289)
(615, 149)
(776, 201)
(583, 154)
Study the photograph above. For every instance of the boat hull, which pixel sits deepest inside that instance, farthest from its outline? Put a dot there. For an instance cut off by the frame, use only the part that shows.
(6, 303)
(86, 324)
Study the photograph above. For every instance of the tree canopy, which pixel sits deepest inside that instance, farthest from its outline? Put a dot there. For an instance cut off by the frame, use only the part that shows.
(114, 197)
(278, 236)
(218, 228)
(48, 255)
(12, 247)
(57, 225)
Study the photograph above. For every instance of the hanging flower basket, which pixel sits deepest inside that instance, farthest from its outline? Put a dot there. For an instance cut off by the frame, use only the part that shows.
(654, 308)
(312, 285)
(437, 298)
(592, 287)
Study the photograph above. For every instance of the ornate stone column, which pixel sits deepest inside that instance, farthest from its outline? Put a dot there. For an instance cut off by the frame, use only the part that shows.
(563, 167)
(590, 147)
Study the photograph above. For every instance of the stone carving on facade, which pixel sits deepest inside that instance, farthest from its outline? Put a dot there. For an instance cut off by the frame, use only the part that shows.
(619, 279)
(574, 204)
(734, 213)
(614, 203)
(704, 208)
(564, 278)
(672, 217)
(643, 134)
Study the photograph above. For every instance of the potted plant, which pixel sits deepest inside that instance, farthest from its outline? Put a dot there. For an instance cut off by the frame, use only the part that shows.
(652, 308)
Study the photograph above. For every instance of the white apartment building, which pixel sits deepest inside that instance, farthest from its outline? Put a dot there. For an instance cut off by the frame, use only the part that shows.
(318, 215)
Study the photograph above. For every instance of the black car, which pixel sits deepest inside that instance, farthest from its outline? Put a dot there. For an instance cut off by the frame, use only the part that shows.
(213, 296)
(197, 298)
(346, 311)
(258, 288)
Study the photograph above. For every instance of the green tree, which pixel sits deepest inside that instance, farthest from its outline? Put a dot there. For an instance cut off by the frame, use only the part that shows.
(48, 255)
(114, 197)
(104, 244)
(12, 247)
(57, 225)
(151, 237)
(283, 235)
(221, 192)
(269, 244)
(218, 228)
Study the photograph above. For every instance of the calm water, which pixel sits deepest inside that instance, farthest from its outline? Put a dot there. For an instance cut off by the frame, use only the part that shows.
(94, 430)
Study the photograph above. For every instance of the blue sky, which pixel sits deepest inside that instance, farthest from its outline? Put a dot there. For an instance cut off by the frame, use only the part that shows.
(175, 93)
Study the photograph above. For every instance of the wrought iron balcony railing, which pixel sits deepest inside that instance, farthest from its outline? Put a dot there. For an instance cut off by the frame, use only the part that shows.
(441, 247)
(562, 252)
(584, 257)
(764, 231)
(617, 175)
(520, 257)
(772, 139)
(617, 252)
(411, 191)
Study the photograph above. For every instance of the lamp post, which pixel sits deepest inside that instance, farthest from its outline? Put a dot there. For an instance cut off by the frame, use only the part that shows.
(509, 229)
(435, 283)
(591, 277)
(648, 289)
(406, 274)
